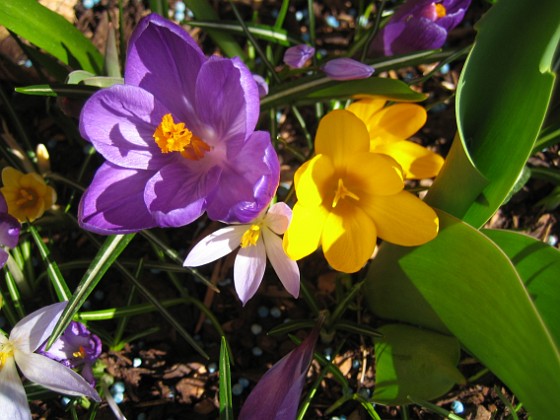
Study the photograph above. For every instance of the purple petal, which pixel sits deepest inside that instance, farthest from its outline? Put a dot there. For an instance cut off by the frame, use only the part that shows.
(297, 56)
(346, 69)
(9, 230)
(3, 257)
(456, 10)
(114, 202)
(261, 85)
(3, 204)
(248, 270)
(163, 59)
(177, 194)
(248, 183)
(227, 103)
(419, 34)
(277, 395)
(120, 123)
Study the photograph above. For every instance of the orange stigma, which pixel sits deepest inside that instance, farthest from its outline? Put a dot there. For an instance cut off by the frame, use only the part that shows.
(440, 11)
(171, 137)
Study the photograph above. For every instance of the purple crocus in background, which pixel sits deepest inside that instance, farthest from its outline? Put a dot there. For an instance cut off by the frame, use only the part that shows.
(296, 56)
(277, 395)
(9, 231)
(419, 25)
(346, 69)
(178, 138)
(76, 347)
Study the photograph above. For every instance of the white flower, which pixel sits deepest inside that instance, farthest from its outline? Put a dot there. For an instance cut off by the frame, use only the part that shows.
(257, 241)
(18, 349)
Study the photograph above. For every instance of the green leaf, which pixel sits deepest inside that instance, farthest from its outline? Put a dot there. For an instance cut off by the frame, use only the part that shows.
(502, 98)
(226, 407)
(538, 264)
(109, 252)
(71, 91)
(473, 288)
(51, 32)
(264, 32)
(413, 362)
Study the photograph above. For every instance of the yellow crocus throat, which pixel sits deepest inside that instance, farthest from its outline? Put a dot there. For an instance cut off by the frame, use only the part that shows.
(176, 137)
(342, 192)
(251, 236)
(6, 351)
(441, 11)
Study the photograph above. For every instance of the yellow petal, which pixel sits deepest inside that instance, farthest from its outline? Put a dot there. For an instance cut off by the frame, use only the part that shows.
(417, 162)
(314, 180)
(341, 134)
(349, 238)
(374, 174)
(304, 232)
(402, 219)
(10, 176)
(365, 108)
(396, 122)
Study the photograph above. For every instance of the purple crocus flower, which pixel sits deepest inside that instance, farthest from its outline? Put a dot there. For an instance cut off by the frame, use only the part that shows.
(419, 25)
(277, 395)
(178, 138)
(9, 231)
(296, 56)
(76, 347)
(346, 69)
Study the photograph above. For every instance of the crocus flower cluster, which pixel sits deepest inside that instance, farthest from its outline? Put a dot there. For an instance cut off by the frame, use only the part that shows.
(419, 25)
(389, 127)
(27, 195)
(18, 349)
(9, 231)
(349, 196)
(257, 241)
(178, 138)
(278, 392)
(76, 347)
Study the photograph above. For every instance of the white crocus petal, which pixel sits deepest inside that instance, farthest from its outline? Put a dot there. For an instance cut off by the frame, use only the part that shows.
(278, 217)
(13, 400)
(215, 246)
(53, 375)
(32, 331)
(286, 268)
(248, 270)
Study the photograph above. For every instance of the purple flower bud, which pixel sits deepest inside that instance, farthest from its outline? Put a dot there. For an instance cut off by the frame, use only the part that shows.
(261, 85)
(76, 347)
(297, 56)
(277, 394)
(346, 69)
(9, 231)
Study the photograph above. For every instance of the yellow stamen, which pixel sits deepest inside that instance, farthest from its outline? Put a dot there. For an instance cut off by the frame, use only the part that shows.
(171, 137)
(440, 11)
(81, 353)
(251, 236)
(6, 351)
(342, 192)
(26, 198)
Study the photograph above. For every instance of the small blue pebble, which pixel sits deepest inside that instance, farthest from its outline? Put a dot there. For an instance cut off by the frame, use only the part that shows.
(328, 353)
(212, 367)
(305, 37)
(99, 295)
(118, 387)
(365, 392)
(263, 311)
(332, 21)
(65, 401)
(356, 363)
(88, 4)
(180, 6)
(136, 362)
(96, 2)
(244, 382)
(224, 282)
(299, 15)
(257, 351)
(275, 312)
(118, 397)
(256, 329)
(237, 389)
(444, 69)
(457, 407)
(87, 305)
(552, 240)
(179, 16)
(439, 107)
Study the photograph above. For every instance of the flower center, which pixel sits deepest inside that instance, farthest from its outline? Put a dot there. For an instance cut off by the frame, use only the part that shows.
(26, 198)
(342, 192)
(440, 11)
(171, 137)
(80, 354)
(251, 236)
(6, 351)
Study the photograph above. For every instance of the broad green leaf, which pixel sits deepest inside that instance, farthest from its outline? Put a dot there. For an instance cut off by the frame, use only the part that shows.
(51, 32)
(538, 264)
(502, 98)
(416, 363)
(71, 91)
(226, 407)
(471, 285)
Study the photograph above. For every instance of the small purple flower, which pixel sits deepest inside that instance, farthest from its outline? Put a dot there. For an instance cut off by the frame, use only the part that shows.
(178, 138)
(419, 25)
(76, 347)
(277, 395)
(261, 85)
(346, 69)
(9, 231)
(297, 56)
